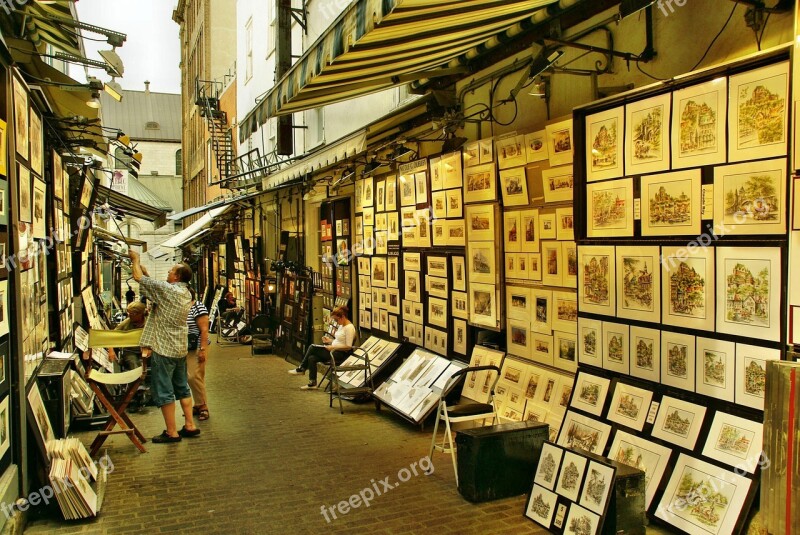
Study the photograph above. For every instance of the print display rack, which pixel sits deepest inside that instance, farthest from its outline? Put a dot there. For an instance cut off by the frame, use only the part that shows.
(681, 222)
(384, 358)
(336, 253)
(295, 314)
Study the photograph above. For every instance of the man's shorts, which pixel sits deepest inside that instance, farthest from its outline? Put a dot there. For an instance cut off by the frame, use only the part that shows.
(169, 380)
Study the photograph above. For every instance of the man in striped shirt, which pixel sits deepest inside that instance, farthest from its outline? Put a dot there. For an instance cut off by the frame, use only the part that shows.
(165, 341)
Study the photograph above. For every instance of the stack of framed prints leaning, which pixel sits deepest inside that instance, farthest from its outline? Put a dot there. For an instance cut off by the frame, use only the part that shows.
(682, 249)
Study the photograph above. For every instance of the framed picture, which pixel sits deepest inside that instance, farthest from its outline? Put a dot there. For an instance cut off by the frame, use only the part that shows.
(596, 270)
(437, 312)
(609, 207)
(423, 227)
(460, 305)
(437, 176)
(519, 305)
(638, 283)
(645, 352)
(518, 338)
(748, 291)
(380, 196)
(599, 480)
(439, 229)
(750, 198)
(629, 406)
(542, 300)
(557, 183)
(647, 136)
(4, 310)
(570, 477)
(481, 222)
(391, 193)
(536, 146)
(511, 232)
(584, 433)
(564, 224)
(393, 326)
(477, 384)
(616, 356)
(393, 225)
(36, 406)
(483, 303)
(559, 142)
(39, 193)
(535, 266)
(460, 336)
(551, 263)
(541, 505)
(393, 277)
(542, 348)
(565, 308)
(21, 116)
(688, 288)
(590, 342)
(437, 286)
(679, 422)
(456, 233)
(547, 226)
(604, 140)
(486, 150)
(645, 455)
(678, 360)
(471, 154)
(25, 197)
(436, 266)
(451, 170)
(358, 195)
(36, 143)
(421, 181)
(698, 124)
(381, 222)
(718, 497)
(751, 374)
(579, 518)
(758, 113)
(407, 190)
(548, 467)
(529, 231)
(481, 258)
(369, 217)
(439, 204)
(734, 441)
(716, 362)
(4, 205)
(412, 261)
(480, 183)
(569, 256)
(4, 150)
(454, 203)
(590, 393)
(510, 151)
(5, 429)
(413, 285)
(565, 352)
(367, 193)
(514, 187)
(671, 204)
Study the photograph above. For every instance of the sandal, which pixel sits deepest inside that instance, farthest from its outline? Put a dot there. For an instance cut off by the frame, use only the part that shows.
(195, 411)
(202, 414)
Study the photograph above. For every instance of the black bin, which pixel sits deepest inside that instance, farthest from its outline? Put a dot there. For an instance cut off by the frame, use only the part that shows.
(498, 461)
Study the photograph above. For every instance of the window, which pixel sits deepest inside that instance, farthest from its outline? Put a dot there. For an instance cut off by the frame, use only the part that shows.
(248, 69)
(272, 133)
(179, 162)
(316, 125)
(272, 22)
(121, 160)
(152, 125)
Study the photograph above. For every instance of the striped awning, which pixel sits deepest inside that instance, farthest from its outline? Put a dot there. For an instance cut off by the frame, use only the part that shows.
(379, 44)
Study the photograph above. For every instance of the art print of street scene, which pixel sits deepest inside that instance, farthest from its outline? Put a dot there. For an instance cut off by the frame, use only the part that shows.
(747, 297)
(762, 108)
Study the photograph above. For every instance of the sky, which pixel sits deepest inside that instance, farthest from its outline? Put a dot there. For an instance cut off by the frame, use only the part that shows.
(152, 50)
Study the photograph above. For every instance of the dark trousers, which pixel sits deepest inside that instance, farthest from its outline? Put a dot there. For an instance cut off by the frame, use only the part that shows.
(315, 355)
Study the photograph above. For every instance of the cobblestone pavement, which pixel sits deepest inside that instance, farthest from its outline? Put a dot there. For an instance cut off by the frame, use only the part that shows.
(270, 457)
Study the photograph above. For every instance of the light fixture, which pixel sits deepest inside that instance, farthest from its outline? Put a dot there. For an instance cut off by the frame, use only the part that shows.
(541, 88)
(543, 61)
(371, 166)
(114, 61)
(401, 151)
(94, 102)
(453, 143)
(123, 139)
(114, 90)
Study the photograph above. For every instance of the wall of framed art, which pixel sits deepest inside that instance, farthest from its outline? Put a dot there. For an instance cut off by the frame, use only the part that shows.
(682, 211)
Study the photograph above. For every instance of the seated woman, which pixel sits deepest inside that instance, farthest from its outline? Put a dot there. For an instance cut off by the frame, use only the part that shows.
(340, 344)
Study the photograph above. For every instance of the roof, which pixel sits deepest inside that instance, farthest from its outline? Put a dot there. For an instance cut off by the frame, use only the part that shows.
(140, 192)
(138, 108)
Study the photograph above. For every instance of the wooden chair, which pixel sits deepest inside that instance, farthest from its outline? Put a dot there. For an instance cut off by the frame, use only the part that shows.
(99, 383)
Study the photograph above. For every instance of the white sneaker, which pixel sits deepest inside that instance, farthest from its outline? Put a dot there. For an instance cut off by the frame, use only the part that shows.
(309, 386)
(297, 371)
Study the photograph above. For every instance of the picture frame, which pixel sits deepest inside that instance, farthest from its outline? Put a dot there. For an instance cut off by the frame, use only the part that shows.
(518, 337)
(36, 150)
(413, 285)
(678, 360)
(486, 150)
(536, 146)
(358, 195)
(590, 342)
(477, 384)
(645, 352)
(381, 222)
(393, 224)
(454, 203)
(458, 265)
(565, 351)
(25, 194)
(679, 422)
(715, 365)
(758, 113)
(599, 480)
(579, 518)
(750, 197)
(423, 227)
(406, 185)
(471, 154)
(582, 432)
(38, 414)
(380, 196)
(391, 193)
(596, 273)
(590, 393)
(437, 286)
(439, 204)
(616, 355)
(604, 143)
(367, 194)
(39, 196)
(560, 145)
(565, 224)
(21, 121)
(4, 149)
(630, 406)
(570, 477)
(436, 266)
(480, 183)
(451, 170)
(551, 263)
(522, 265)
(5, 311)
(698, 124)
(690, 275)
(512, 235)
(5, 426)
(638, 283)
(437, 312)
(643, 454)
(460, 305)
(548, 466)
(541, 505)
(529, 231)
(379, 275)
(439, 228)
(647, 141)
(421, 181)
(460, 336)
(519, 305)
(514, 184)
(735, 441)
(535, 266)
(393, 277)
(510, 150)
(749, 291)
(609, 207)
(558, 184)
(369, 217)
(724, 492)
(4, 204)
(671, 203)
(480, 220)
(483, 305)
(456, 233)
(437, 176)
(547, 226)
(751, 374)
(412, 261)
(542, 303)
(565, 312)
(542, 348)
